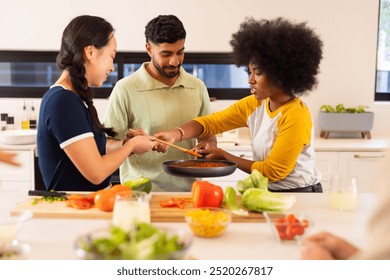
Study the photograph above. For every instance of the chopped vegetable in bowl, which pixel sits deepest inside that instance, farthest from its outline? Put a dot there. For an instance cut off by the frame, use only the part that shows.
(145, 242)
(288, 226)
(208, 222)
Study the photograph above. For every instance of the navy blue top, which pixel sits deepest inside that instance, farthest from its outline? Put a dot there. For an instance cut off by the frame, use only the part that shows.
(64, 119)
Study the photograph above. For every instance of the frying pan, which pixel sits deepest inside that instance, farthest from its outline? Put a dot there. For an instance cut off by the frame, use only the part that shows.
(199, 171)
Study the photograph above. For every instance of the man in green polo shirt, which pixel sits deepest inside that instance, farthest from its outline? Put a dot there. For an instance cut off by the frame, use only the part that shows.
(159, 96)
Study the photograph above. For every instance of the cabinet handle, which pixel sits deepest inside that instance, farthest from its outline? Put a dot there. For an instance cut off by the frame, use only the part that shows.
(242, 155)
(360, 156)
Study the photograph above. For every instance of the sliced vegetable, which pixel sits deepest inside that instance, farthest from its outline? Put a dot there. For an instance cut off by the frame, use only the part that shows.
(208, 222)
(290, 226)
(79, 203)
(88, 198)
(53, 198)
(263, 200)
(205, 194)
(230, 202)
(139, 184)
(173, 202)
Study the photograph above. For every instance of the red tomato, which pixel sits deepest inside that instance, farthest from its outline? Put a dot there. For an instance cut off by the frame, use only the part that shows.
(290, 226)
(104, 200)
(297, 230)
(304, 223)
(205, 194)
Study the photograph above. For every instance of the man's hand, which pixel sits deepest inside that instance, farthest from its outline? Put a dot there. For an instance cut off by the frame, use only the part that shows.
(132, 133)
(325, 245)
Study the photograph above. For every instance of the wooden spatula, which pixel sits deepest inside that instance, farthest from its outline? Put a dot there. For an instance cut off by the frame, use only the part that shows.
(180, 148)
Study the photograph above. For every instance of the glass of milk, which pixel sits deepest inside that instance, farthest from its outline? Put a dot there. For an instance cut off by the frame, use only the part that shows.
(343, 193)
(130, 208)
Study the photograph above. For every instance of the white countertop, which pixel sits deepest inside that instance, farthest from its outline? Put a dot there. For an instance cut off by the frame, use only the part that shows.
(376, 144)
(321, 144)
(18, 147)
(54, 238)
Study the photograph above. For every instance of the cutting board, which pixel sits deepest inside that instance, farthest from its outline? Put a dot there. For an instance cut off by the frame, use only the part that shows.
(58, 209)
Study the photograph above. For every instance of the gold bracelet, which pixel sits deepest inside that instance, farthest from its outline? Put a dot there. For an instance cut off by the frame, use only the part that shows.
(181, 133)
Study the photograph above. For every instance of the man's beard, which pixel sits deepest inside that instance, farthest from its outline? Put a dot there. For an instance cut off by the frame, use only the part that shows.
(168, 75)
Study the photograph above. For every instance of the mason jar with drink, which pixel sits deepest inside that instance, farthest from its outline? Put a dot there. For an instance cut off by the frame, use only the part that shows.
(131, 208)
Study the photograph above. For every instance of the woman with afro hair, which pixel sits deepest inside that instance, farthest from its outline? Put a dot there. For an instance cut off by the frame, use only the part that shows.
(283, 60)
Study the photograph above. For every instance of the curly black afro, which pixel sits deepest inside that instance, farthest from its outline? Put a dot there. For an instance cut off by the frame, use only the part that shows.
(289, 54)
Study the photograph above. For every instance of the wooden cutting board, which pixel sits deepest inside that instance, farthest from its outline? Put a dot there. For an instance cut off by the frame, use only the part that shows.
(58, 209)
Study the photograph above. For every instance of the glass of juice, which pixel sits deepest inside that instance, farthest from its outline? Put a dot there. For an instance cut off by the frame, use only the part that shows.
(343, 193)
(131, 208)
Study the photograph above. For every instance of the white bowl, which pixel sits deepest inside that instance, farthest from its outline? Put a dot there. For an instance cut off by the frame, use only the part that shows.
(18, 137)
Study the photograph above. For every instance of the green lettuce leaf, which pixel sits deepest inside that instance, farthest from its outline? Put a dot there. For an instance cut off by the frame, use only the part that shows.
(259, 181)
(259, 200)
(255, 180)
(230, 202)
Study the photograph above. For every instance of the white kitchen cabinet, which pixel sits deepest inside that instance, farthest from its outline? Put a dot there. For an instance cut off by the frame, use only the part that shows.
(327, 163)
(361, 164)
(18, 177)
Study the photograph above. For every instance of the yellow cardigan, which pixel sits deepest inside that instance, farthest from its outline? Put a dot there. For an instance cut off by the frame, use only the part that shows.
(281, 140)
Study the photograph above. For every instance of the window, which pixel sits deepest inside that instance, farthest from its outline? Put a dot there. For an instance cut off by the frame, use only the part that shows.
(28, 74)
(382, 82)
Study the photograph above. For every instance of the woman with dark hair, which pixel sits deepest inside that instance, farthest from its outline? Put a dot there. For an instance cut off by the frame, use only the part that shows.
(71, 140)
(283, 60)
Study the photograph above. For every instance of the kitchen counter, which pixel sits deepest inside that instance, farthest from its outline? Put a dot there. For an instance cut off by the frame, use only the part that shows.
(54, 238)
(356, 145)
(27, 147)
(321, 144)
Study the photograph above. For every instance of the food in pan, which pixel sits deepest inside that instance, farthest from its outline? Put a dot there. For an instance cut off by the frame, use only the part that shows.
(199, 168)
(199, 164)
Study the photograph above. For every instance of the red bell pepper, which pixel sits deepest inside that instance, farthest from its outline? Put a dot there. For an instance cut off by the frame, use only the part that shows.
(205, 194)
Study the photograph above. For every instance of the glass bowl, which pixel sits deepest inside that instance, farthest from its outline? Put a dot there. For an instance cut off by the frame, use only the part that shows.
(208, 222)
(288, 227)
(15, 251)
(10, 227)
(144, 242)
